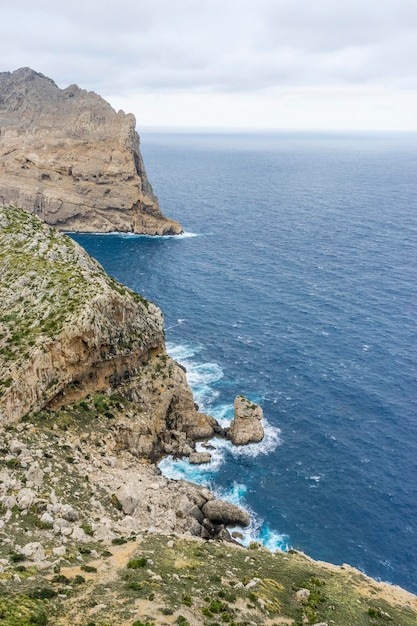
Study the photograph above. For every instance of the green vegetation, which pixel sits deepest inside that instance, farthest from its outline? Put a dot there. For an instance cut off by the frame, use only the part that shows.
(186, 581)
(45, 284)
(136, 563)
(20, 610)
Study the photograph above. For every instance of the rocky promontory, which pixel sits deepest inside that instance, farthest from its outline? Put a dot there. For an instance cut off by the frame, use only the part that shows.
(91, 532)
(67, 156)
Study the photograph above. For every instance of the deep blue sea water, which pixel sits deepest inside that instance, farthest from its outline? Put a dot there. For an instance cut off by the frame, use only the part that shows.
(296, 286)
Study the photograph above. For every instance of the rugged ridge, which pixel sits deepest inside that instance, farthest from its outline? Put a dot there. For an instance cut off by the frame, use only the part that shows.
(68, 330)
(67, 156)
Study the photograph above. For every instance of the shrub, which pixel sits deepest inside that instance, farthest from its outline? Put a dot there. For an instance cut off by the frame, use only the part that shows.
(43, 593)
(117, 541)
(137, 563)
(88, 568)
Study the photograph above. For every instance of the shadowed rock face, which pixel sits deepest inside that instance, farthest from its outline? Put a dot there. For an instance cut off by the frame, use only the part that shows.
(68, 157)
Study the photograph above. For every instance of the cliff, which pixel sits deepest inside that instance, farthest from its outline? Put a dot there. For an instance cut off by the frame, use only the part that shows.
(91, 533)
(68, 157)
(67, 330)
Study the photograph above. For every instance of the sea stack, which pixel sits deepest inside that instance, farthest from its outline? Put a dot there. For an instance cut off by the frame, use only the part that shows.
(67, 156)
(246, 426)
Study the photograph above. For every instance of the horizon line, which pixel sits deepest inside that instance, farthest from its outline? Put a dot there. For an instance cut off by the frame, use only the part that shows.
(250, 130)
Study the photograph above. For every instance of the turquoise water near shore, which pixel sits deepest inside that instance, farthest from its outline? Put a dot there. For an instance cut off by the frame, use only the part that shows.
(295, 284)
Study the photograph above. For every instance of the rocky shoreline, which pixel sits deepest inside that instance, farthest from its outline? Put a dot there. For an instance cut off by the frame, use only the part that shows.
(89, 401)
(91, 532)
(106, 358)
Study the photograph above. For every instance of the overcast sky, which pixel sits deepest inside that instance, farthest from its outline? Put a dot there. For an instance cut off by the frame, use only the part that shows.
(283, 64)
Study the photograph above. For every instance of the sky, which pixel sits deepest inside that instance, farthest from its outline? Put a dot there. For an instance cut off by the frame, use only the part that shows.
(227, 64)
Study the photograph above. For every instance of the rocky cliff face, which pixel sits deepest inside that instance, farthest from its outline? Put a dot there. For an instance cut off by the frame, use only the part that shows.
(68, 157)
(68, 330)
(82, 353)
(89, 528)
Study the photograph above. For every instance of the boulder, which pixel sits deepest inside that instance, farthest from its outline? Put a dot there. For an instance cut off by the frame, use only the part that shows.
(198, 458)
(34, 474)
(25, 498)
(34, 551)
(221, 512)
(128, 498)
(69, 514)
(246, 426)
(303, 595)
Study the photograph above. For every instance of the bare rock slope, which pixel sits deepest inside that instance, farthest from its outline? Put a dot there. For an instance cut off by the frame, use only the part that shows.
(67, 156)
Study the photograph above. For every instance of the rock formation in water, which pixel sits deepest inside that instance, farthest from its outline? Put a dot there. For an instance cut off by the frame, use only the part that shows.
(246, 427)
(68, 157)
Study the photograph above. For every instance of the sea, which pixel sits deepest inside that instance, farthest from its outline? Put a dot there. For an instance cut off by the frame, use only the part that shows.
(294, 284)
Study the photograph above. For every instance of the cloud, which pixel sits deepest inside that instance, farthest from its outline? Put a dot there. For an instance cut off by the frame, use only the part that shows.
(217, 47)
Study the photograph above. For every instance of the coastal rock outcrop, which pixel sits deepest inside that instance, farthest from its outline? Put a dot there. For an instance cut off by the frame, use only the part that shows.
(69, 331)
(69, 157)
(225, 513)
(246, 426)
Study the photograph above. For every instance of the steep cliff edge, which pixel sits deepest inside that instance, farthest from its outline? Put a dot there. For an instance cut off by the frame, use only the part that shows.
(68, 157)
(68, 330)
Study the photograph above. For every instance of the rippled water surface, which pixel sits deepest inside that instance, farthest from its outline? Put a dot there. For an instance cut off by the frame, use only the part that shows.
(295, 284)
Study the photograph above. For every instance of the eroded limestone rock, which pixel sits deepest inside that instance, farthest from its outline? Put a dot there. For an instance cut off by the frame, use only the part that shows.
(67, 156)
(198, 458)
(246, 426)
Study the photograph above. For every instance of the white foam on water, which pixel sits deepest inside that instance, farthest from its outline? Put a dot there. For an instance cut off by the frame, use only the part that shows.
(257, 531)
(315, 478)
(184, 235)
(269, 443)
(201, 377)
(223, 414)
(183, 352)
(205, 373)
(182, 469)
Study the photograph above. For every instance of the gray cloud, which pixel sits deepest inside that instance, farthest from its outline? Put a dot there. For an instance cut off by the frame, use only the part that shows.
(217, 46)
